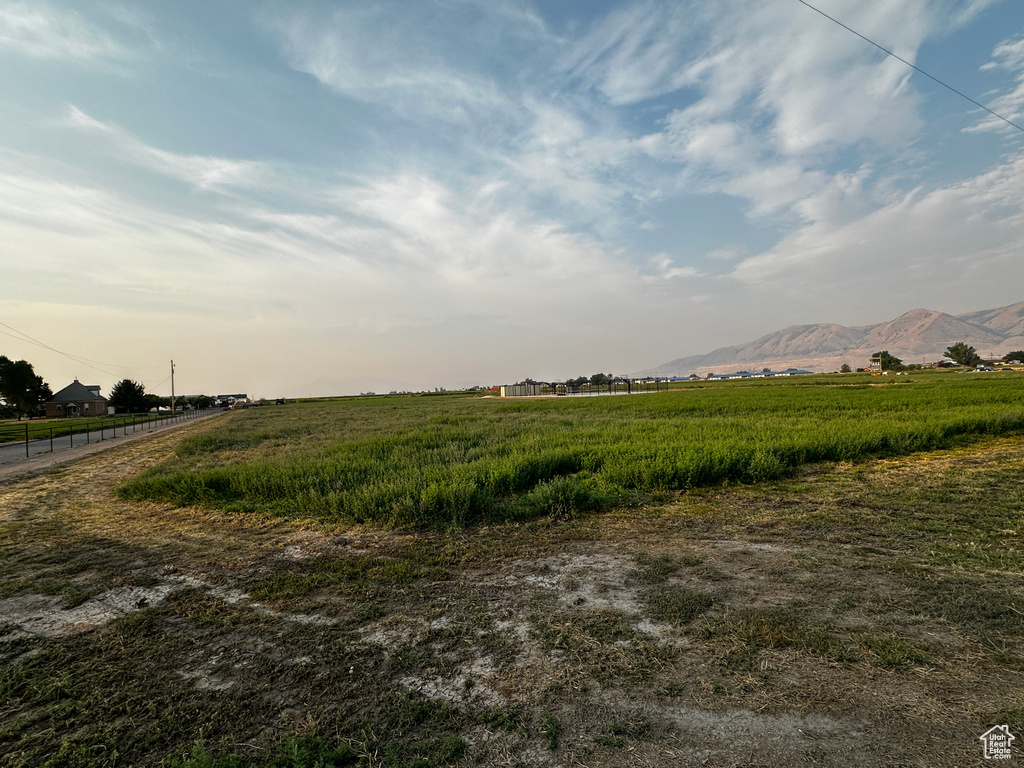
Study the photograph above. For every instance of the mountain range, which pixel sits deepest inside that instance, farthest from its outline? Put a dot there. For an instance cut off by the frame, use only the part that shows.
(920, 335)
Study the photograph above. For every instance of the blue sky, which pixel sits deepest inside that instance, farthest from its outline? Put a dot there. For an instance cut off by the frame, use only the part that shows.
(294, 198)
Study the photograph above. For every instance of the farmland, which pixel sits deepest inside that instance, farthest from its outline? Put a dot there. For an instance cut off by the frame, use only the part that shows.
(860, 607)
(446, 462)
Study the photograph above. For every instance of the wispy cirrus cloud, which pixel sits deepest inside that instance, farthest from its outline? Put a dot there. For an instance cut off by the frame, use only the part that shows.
(752, 104)
(1007, 56)
(40, 31)
(768, 95)
(965, 235)
(662, 267)
(379, 239)
(782, 90)
(367, 52)
(637, 52)
(201, 172)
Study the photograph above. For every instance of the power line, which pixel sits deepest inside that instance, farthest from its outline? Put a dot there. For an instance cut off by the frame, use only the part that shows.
(45, 346)
(21, 336)
(160, 384)
(80, 360)
(912, 66)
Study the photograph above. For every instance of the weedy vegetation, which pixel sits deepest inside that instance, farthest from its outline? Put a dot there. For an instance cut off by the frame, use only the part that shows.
(445, 463)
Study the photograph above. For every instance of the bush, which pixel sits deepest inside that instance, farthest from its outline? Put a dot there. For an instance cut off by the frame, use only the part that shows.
(563, 497)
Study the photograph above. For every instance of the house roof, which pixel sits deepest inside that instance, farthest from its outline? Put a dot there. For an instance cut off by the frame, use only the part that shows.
(76, 392)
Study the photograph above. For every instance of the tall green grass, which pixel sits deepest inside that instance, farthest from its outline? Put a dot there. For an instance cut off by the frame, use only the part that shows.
(448, 462)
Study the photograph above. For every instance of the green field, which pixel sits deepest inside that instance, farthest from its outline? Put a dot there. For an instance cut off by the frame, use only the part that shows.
(13, 431)
(444, 462)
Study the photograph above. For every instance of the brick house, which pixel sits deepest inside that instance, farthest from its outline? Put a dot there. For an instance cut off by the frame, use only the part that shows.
(77, 400)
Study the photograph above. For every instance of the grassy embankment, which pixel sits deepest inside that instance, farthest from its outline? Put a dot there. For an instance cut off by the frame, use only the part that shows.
(447, 462)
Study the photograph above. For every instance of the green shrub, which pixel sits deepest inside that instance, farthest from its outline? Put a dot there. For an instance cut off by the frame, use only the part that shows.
(563, 497)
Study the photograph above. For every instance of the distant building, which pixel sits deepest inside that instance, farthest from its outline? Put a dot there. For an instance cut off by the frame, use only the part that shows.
(757, 374)
(77, 399)
(521, 390)
(221, 400)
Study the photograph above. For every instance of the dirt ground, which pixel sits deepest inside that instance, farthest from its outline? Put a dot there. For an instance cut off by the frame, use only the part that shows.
(867, 615)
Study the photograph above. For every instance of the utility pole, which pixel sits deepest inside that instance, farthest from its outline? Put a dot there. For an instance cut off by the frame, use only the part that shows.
(172, 386)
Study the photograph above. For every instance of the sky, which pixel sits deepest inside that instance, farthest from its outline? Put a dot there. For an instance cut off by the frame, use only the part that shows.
(324, 198)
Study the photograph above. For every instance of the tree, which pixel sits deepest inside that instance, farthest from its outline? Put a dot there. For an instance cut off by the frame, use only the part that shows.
(961, 354)
(150, 401)
(1018, 355)
(600, 379)
(128, 396)
(844, 368)
(22, 392)
(886, 361)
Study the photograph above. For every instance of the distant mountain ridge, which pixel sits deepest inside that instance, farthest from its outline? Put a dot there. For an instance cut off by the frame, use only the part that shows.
(920, 335)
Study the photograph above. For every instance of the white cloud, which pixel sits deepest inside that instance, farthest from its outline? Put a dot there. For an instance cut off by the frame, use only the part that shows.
(963, 240)
(771, 93)
(636, 52)
(202, 172)
(395, 250)
(379, 228)
(1008, 56)
(514, 130)
(37, 30)
(403, 258)
(478, 245)
(662, 267)
(398, 58)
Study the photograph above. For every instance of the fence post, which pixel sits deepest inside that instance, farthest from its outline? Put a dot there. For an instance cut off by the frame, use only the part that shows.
(51, 439)
(26, 441)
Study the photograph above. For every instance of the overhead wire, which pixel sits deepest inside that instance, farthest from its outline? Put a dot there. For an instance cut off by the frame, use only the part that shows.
(159, 384)
(22, 336)
(82, 361)
(70, 357)
(74, 357)
(912, 66)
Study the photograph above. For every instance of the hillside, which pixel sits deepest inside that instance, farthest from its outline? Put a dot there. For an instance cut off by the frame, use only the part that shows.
(920, 335)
